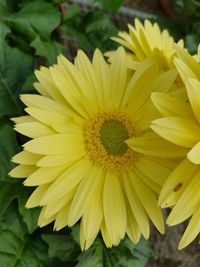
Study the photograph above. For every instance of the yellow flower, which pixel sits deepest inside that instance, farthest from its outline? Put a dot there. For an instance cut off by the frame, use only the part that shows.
(79, 159)
(181, 126)
(146, 40)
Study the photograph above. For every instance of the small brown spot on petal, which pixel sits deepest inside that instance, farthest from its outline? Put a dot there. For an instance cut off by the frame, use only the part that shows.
(177, 187)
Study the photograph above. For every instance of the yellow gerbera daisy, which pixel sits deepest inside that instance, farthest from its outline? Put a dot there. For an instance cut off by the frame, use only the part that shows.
(146, 40)
(181, 126)
(78, 158)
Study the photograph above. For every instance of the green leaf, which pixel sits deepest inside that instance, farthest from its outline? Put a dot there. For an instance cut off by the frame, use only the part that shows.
(110, 5)
(17, 248)
(10, 190)
(8, 148)
(191, 42)
(125, 255)
(35, 18)
(30, 216)
(14, 73)
(48, 50)
(61, 246)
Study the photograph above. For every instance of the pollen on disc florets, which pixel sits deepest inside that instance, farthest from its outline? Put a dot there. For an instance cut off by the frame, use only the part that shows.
(105, 136)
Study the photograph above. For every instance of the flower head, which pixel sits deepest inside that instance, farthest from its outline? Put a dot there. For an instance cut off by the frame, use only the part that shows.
(147, 40)
(181, 126)
(79, 159)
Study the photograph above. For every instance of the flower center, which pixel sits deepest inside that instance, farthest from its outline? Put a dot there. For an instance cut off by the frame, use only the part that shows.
(105, 136)
(112, 135)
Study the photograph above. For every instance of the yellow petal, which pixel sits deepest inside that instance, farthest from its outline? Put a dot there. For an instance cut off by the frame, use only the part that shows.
(157, 172)
(105, 236)
(180, 131)
(82, 197)
(177, 181)
(57, 160)
(36, 196)
(193, 91)
(34, 129)
(194, 154)
(45, 175)
(136, 206)
(47, 83)
(192, 230)
(42, 102)
(152, 144)
(118, 77)
(170, 106)
(62, 218)
(114, 208)
(22, 171)
(55, 144)
(26, 158)
(142, 78)
(93, 211)
(42, 221)
(182, 210)
(56, 206)
(149, 202)
(67, 181)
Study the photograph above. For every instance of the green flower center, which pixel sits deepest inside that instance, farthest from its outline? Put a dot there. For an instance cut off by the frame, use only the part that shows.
(112, 135)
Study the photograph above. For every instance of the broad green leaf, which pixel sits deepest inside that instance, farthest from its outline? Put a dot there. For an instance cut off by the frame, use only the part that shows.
(8, 147)
(48, 50)
(61, 246)
(35, 18)
(10, 190)
(30, 216)
(125, 255)
(17, 248)
(14, 73)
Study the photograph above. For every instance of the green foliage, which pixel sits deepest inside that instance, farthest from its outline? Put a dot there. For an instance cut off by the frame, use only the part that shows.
(189, 18)
(126, 254)
(91, 30)
(110, 5)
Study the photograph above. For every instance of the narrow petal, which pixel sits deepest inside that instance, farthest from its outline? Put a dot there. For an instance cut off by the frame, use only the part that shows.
(171, 106)
(149, 202)
(55, 144)
(34, 129)
(142, 78)
(182, 210)
(22, 171)
(62, 218)
(36, 196)
(193, 91)
(157, 172)
(136, 206)
(93, 211)
(194, 154)
(56, 206)
(45, 175)
(192, 230)
(118, 77)
(177, 181)
(45, 103)
(105, 235)
(42, 221)
(82, 197)
(114, 208)
(26, 158)
(67, 181)
(180, 131)
(152, 144)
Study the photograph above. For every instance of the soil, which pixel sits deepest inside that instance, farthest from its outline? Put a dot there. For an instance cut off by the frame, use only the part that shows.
(166, 252)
